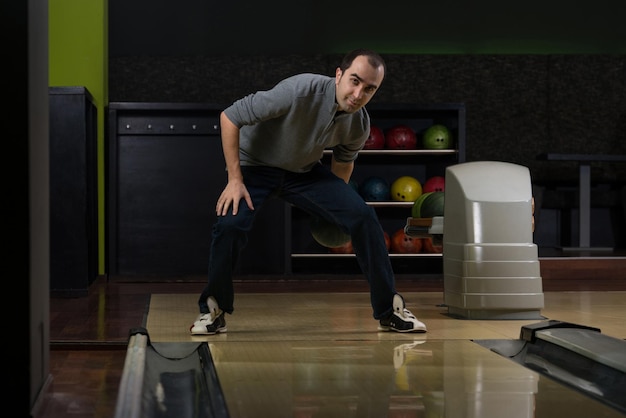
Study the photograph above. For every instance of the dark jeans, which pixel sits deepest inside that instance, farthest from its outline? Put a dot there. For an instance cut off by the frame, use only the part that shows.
(317, 192)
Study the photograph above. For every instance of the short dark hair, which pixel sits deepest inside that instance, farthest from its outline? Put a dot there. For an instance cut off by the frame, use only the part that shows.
(374, 59)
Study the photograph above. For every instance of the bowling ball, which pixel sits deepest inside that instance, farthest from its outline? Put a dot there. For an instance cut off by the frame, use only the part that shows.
(428, 205)
(374, 189)
(376, 139)
(406, 189)
(342, 249)
(400, 137)
(348, 249)
(401, 243)
(328, 234)
(416, 209)
(434, 184)
(437, 137)
(430, 248)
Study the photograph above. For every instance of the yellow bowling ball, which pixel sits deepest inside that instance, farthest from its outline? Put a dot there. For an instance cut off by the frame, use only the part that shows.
(406, 189)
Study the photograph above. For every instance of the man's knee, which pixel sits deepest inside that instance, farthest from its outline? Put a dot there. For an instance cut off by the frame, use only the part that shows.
(230, 223)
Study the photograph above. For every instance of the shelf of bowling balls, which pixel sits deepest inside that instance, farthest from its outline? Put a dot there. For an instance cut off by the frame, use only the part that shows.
(403, 152)
(386, 203)
(409, 244)
(389, 203)
(330, 254)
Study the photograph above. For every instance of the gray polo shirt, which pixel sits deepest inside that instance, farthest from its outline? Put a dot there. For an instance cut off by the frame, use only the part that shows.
(290, 125)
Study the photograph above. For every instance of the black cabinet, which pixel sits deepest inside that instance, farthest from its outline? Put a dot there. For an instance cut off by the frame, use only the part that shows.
(165, 171)
(73, 191)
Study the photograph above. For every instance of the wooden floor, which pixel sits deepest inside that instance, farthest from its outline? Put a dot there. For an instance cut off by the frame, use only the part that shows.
(89, 335)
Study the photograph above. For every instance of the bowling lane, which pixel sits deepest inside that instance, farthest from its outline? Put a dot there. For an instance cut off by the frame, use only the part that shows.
(320, 355)
(315, 316)
(365, 378)
(348, 316)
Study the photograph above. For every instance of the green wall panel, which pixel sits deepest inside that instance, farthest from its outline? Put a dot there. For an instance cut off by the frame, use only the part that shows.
(78, 56)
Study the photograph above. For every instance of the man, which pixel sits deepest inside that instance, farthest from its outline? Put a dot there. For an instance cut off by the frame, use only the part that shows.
(273, 142)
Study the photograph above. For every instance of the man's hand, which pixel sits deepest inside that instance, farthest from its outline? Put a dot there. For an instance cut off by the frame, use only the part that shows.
(234, 191)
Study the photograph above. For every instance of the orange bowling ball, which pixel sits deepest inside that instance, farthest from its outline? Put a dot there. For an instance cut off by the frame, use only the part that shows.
(401, 243)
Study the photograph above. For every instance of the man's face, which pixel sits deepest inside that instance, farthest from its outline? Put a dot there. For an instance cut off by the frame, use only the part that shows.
(357, 84)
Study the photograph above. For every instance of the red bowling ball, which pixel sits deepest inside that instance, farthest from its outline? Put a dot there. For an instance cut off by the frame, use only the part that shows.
(376, 139)
(435, 184)
(400, 137)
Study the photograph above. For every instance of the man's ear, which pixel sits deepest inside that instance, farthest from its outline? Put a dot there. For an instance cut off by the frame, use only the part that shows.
(338, 73)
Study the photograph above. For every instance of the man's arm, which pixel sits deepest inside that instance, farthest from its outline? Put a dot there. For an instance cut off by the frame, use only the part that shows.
(235, 190)
(230, 147)
(342, 170)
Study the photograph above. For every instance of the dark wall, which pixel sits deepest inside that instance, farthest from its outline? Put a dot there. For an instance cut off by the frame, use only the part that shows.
(518, 106)
(202, 27)
(538, 77)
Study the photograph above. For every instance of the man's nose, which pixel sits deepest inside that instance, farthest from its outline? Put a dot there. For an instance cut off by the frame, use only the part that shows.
(358, 92)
